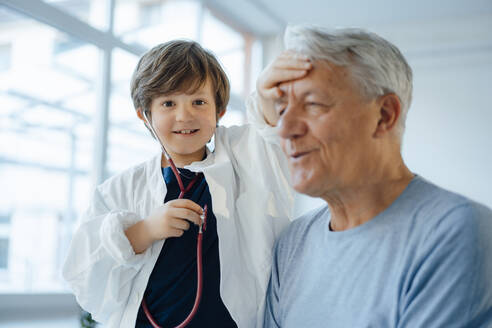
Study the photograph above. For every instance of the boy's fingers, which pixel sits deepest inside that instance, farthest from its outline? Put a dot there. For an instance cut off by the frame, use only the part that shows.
(293, 54)
(186, 203)
(292, 63)
(186, 214)
(180, 224)
(278, 77)
(288, 67)
(272, 93)
(175, 232)
(284, 75)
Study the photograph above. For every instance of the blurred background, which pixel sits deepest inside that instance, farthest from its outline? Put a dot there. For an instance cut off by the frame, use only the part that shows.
(67, 121)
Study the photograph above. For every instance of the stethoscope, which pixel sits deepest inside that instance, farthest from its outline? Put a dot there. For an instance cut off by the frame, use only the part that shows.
(201, 229)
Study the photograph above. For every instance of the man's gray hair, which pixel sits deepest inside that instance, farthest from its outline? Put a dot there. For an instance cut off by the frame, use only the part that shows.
(376, 65)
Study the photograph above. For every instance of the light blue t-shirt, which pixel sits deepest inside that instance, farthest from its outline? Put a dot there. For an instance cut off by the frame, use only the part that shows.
(426, 261)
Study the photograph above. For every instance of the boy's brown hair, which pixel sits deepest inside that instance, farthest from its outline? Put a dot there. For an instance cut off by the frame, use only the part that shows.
(176, 66)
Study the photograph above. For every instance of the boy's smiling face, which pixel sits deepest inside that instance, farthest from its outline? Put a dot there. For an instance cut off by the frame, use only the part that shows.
(185, 122)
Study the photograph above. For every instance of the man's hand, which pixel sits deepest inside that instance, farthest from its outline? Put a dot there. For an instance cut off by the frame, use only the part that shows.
(286, 67)
(169, 220)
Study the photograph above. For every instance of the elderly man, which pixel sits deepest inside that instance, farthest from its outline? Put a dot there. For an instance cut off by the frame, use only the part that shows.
(389, 248)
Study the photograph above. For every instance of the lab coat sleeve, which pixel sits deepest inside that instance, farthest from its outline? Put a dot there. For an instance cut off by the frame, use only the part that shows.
(257, 119)
(268, 157)
(101, 264)
(262, 198)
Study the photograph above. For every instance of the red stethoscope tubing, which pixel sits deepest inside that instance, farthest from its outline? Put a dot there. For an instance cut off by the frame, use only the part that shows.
(199, 268)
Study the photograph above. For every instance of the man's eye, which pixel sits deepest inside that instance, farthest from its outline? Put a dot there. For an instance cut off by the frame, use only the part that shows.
(199, 102)
(168, 103)
(317, 107)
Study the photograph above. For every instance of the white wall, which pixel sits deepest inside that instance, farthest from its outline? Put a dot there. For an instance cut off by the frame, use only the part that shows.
(449, 139)
(449, 127)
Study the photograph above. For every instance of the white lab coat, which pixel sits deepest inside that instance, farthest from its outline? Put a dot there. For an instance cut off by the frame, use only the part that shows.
(252, 200)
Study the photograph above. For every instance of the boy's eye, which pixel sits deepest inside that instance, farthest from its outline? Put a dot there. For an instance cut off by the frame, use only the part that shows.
(198, 102)
(168, 103)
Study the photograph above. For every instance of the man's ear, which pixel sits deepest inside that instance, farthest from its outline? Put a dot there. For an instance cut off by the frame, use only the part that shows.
(389, 114)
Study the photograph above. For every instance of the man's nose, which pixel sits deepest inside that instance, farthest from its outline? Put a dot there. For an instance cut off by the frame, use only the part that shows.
(291, 124)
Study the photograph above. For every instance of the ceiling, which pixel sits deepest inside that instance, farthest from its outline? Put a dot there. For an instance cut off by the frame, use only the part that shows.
(269, 17)
(424, 30)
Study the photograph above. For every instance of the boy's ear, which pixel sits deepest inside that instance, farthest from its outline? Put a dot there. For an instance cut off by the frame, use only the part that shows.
(140, 115)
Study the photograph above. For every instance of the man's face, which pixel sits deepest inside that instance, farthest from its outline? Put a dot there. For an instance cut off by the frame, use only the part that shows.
(327, 129)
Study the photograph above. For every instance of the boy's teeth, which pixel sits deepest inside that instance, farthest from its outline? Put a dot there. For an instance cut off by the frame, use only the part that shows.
(185, 131)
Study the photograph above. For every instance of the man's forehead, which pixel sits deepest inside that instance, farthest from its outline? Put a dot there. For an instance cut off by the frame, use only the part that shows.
(299, 89)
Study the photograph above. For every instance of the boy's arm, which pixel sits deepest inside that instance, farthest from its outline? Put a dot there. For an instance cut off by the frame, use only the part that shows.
(261, 105)
(288, 66)
(139, 236)
(101, 261)
(168, 220)
(262, 166)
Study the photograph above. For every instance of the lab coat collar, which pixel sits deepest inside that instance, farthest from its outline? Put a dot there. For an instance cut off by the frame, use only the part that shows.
(154, 170)
(155, 180)
(200, 166)
(214, 156)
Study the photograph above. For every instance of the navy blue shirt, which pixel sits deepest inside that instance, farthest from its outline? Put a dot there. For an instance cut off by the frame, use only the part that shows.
(171, 289)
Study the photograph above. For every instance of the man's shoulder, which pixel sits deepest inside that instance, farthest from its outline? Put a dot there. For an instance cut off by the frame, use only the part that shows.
(450, 220)
(469, 220)
(438, 205)
(428, 193)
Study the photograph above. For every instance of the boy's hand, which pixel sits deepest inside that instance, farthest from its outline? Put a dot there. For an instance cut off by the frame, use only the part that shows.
(168, 220)
(286, 67)
(173, 218)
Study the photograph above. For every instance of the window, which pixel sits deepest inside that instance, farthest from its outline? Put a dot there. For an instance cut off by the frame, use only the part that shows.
(46, 137)
(157, 22)
(92, 12)
(51, 95)
(129, 141)
(150, 13)
(229, 46)
(4, 252)
(4, 242)
(5, 57)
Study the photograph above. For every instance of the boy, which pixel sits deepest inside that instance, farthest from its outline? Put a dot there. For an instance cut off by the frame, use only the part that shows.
(137, 241)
